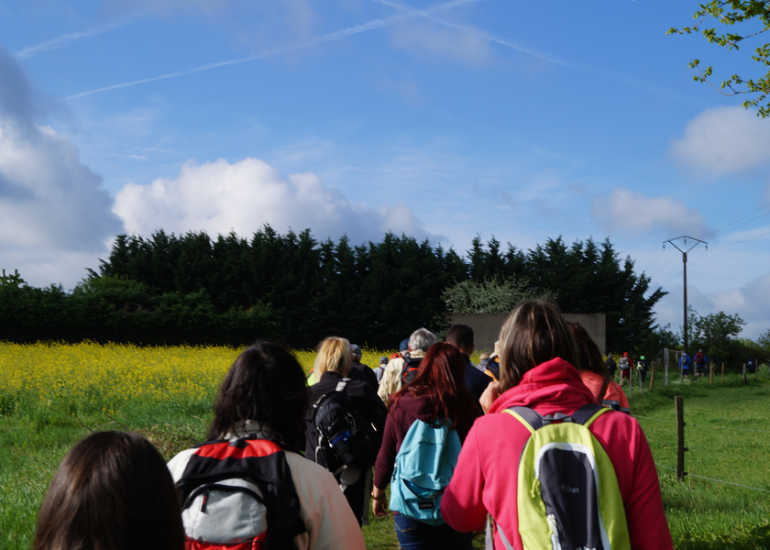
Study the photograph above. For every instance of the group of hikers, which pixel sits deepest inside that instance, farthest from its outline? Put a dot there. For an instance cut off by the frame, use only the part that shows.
(533, 449)
(626, 367)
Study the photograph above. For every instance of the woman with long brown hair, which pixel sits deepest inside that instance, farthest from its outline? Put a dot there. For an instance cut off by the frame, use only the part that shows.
(112, 490)
(540, 389)
(437, 393)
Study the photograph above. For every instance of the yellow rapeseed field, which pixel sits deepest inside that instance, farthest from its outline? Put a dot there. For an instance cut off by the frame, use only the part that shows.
(115, 372)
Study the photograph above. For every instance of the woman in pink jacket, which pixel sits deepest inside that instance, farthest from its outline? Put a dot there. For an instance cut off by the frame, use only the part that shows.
(536, 371)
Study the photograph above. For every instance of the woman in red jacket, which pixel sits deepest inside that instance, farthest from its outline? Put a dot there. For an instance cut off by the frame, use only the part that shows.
(594, 374)
(536, 371)
(438, 391)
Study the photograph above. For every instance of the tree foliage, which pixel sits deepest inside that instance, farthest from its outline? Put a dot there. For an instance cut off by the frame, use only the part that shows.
(754, 17)
(493, 295)
(716, 334)
(192, 288)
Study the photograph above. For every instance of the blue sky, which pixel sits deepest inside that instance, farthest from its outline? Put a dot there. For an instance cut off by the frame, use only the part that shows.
(442, 120)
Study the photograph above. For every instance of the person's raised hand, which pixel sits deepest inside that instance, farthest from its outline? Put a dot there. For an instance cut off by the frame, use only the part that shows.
(490, 394)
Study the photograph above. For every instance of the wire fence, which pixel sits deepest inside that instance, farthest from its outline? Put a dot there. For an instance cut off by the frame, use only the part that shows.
(716, 480)
(709, 451)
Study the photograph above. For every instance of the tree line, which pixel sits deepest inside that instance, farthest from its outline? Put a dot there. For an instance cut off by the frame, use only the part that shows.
(293, 288)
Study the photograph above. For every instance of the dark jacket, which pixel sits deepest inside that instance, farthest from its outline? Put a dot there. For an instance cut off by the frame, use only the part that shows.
(369, 406)
(359, 371)
(475, 380)
(611, 365)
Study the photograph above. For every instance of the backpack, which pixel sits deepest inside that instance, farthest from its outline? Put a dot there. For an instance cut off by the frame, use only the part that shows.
(699, 359)
(568, 493)
(410, 368)
(239, 495)
(624, 364)
(343, 438)
(424, 466)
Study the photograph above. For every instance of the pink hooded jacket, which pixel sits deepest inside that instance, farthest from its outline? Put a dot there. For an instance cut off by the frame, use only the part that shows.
(486, 477)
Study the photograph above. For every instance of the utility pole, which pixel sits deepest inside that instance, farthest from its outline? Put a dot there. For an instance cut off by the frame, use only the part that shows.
(684, 263)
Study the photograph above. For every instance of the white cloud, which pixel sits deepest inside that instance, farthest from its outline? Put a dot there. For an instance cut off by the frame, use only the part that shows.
(218, 197)
(48, 198)
(428, 39)
(633, 214)
(724, 141)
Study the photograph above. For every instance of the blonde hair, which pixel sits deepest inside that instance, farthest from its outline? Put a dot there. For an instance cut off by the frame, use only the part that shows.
(334, 354)
(534, 332)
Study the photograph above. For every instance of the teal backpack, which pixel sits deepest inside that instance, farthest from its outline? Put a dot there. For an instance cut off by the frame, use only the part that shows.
(424, 466)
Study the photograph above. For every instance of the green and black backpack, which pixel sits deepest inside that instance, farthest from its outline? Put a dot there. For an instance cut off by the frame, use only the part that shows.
(568, 493)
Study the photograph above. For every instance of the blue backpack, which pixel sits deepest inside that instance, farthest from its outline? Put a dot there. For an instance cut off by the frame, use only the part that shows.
(424, 466)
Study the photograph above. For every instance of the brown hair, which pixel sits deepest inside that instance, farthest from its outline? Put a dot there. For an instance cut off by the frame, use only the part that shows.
(112, 491)
(441, 378)
(265, 383)
(533, 333)
(460, 336)
(334, 354)
(590, 356)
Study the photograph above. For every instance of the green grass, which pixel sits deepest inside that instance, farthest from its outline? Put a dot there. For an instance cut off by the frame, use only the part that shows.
(702, 514)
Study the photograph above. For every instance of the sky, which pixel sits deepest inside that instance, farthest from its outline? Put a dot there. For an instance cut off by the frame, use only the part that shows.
(438, 119)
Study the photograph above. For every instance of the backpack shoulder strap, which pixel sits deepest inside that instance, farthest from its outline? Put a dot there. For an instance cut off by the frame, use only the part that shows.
(340, 388)
(586, 414)
(531, 420)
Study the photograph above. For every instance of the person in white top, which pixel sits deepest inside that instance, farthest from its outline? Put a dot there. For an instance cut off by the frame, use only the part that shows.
(264, 395)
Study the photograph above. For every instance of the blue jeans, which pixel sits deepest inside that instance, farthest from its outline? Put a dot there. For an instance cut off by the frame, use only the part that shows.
(416, 535)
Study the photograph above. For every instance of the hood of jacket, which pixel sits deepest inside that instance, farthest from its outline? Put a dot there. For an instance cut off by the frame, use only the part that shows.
(553, 386)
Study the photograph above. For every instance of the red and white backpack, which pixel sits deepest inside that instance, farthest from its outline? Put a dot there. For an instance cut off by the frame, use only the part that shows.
(239, 495)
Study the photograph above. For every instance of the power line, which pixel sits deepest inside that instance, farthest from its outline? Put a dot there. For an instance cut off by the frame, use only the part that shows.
(743, 241)
(716, 231)
(661, 267)
(678, 273)
(655, 260)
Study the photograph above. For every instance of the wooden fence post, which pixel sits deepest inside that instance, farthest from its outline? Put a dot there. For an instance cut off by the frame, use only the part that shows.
(723, 373)
(641, 384)
(711, 373)
(679, 406)
(744, 373)
(630, 384)
(652, 375)
(665, 367)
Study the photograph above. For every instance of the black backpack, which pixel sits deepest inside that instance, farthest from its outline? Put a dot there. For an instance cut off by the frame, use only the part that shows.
(343, 434)
(410, 368)
(239, 495)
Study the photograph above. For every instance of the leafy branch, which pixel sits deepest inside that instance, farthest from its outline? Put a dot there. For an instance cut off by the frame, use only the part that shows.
(732, 12)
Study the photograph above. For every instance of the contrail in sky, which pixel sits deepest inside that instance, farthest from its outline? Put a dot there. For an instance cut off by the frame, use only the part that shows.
(64, 39)
(323, 39)
(583, 67)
